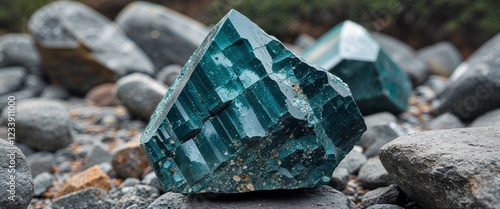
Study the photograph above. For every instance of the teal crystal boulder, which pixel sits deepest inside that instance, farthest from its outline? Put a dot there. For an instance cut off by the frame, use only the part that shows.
(377, 83)
(246, 114)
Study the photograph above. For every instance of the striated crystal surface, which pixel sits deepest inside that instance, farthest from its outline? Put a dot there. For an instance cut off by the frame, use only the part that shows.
(377, 83)
(246, 114)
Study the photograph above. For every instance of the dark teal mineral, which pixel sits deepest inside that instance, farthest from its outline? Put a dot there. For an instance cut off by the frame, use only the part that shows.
(376, 81)
(246, 114)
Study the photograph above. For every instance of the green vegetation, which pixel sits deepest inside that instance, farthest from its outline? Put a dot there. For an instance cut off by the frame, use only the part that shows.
(287, 18)
(14, 14)
(428, 20)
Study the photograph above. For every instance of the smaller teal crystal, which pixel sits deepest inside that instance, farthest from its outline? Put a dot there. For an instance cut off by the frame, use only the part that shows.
(246, 114)
(351, 53)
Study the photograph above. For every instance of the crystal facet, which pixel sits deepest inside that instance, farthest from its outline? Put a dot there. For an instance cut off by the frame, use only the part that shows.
(376, 81)
(246, 114)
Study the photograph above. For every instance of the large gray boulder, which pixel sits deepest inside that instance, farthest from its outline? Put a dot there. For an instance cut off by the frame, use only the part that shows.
(456, 168)
(17, 183)
(321, 197)
(166, 36)
(474, 87)
(80, 48)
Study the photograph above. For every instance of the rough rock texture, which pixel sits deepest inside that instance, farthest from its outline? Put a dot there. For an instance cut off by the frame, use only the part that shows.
(321, 197)
(139, 195)
(166, 36)
(491, 118)
(384, 206)
(17, 184)
(474, 87)
(246, 114)
(381, 195)
(19, 50)
(376, 81)
(42, 124)
(140, 94)
(87, 198)
(80, 48)
(442, 57)
(455, 168)
(129, 160)
(92, 177)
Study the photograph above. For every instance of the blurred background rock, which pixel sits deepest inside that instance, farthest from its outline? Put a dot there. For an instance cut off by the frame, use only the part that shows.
(466, 24)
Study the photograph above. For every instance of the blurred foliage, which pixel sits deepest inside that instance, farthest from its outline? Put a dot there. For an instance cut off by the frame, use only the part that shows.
(14, 14)
(287, 18)
(427, 20)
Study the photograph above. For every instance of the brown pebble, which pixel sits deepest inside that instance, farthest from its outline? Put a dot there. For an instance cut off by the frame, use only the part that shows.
(92, 177)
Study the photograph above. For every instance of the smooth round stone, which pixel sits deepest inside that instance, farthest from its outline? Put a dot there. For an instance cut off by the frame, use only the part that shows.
(373, 175)
(55, 92)
(168, 74)
(41, 162)
(81, 48)
(42, 182)
(140, 94)
(17, 185)
(42, 124)
(443, 58)
(11, 79)
(102, 95)
(20, 50)
(491, 118)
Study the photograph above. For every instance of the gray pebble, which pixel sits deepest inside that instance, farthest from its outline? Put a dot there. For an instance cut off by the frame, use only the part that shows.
(42, 182)
(373, 175)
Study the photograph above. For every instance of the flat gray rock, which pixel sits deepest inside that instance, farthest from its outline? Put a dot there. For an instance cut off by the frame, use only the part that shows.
(17, 184)
(456, 168)
(321, 197)
(41, 162)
